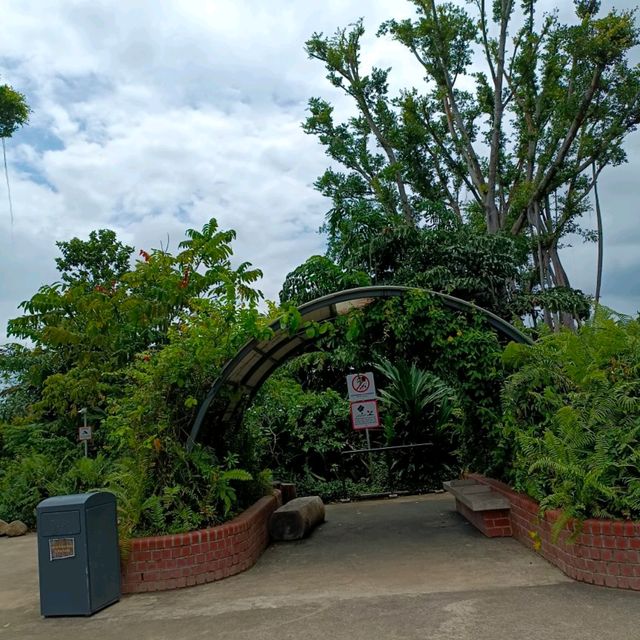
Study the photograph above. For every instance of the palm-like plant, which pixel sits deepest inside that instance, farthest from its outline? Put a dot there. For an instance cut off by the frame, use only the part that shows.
(417, 397)
(419, 405)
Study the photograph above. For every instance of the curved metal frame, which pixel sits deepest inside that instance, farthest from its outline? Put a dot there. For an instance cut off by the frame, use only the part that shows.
(257, 360)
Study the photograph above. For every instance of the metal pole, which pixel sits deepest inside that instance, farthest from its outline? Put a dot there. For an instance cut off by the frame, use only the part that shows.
(370, 456)
(401, 446)
(344, 480)
(86, 446)
(83, 411)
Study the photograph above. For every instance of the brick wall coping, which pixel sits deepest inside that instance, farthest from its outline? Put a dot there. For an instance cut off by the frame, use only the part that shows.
(159, 563)
(598, 551)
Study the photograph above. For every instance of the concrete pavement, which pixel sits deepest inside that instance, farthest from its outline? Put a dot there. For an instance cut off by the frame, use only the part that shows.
(410, 568)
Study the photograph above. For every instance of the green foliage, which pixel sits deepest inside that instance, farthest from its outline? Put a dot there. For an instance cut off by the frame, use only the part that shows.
(418, 397)
(442, 365)
(299, 429)
(486, 270)
(420, 407)
(138, 346)
(459, 349)
(17, 440)
(24, 482)
(572, 419)
(36, 463)
(554, 300)
(83, 474)
(318, 277)
(99, 261)
(169, 490)
(14, 111)
(334, 488)
(515, 151)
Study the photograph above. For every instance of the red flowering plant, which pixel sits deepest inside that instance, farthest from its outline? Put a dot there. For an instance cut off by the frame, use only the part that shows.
(139, 342)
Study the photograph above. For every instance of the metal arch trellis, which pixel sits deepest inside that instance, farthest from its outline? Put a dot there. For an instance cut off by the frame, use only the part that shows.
(257, 359)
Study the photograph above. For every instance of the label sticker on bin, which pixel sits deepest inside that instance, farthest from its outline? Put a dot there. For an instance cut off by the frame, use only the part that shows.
(61, 548)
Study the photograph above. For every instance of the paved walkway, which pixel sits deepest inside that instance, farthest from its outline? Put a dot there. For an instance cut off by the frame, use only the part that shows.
(409, 568)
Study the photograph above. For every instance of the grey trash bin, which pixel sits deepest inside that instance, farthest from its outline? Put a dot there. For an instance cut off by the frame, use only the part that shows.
(78, 554)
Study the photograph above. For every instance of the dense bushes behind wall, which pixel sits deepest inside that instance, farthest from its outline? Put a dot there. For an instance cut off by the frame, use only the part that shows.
(572, 419)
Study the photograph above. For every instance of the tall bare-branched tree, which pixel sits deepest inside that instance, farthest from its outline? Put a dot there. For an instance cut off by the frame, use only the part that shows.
(517, 142)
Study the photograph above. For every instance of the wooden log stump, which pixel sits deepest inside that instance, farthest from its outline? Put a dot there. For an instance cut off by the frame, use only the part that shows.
(288, 491)
(297, 518)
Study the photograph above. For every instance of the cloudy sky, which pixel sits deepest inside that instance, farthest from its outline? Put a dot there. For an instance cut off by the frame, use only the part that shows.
(150, 117)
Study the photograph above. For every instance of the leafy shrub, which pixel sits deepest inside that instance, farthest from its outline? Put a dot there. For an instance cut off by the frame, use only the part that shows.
(23, 484)
(572, 419)
(301, 415)
(35, 463)
(420, 407)
(335, 489)
(17, 440)
(139, 347)
(299, 429)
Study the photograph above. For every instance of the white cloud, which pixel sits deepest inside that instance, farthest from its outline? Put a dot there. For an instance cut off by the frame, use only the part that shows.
(150, 117)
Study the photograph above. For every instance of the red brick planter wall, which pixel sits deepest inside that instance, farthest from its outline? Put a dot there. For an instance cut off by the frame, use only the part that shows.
(494, 524)
(605, 552)
(186, 559)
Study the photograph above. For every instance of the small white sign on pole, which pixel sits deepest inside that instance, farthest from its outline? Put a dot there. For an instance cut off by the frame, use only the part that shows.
(361, 386)
(84, 433)
(364, 414)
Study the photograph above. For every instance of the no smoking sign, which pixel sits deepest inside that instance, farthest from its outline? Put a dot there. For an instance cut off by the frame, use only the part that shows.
(361, 386)
(360, 383)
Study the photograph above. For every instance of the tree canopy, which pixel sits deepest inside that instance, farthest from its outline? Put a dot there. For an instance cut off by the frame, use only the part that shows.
(97, 261)
(14, 111)
(514, 147)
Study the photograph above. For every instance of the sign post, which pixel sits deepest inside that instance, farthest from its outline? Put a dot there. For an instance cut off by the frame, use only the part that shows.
(85, 433)
(364, 406)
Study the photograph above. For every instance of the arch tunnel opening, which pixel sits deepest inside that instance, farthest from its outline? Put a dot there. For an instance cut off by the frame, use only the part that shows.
(258, 359)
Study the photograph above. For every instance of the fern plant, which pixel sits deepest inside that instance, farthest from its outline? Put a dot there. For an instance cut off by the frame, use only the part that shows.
(572, 418)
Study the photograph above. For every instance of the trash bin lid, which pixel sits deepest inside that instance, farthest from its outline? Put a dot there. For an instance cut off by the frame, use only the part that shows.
(77, 500)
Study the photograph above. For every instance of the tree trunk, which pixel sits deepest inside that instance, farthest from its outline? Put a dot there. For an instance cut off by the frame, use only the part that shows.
(561, 279)
(600, 237)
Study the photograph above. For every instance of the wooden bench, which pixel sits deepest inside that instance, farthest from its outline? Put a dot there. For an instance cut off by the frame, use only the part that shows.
(484, 508)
